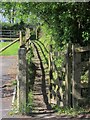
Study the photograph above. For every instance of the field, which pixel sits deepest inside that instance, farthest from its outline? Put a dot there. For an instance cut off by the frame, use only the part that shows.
(12, 50)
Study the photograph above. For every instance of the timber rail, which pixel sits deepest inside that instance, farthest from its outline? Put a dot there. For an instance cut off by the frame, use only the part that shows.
(9, 34)
(14, 40)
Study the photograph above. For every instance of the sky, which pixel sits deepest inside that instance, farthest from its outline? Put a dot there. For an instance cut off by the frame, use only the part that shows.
(2, 18)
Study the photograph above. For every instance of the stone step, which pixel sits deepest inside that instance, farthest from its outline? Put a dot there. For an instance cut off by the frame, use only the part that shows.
(37, 93)
(40, 84)
(39, 88)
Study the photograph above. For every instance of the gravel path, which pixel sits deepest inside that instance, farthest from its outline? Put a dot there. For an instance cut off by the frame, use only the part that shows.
(8, 68)
(8, 71)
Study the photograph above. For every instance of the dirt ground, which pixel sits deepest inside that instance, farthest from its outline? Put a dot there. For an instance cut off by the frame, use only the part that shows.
(8, 71)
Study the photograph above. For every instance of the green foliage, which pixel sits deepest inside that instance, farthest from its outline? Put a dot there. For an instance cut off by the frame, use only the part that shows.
(65, 18)
(30, 103)
(71, 111)
(14, 109)
(5, 25)
(16, 12)
(14, 82)
(31, 77)
(31, 69)
(47, 39)
(46, 35)
(67, 21)
(84, 77)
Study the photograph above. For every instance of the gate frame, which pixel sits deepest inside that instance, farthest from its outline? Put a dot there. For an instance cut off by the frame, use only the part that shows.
(73, 94)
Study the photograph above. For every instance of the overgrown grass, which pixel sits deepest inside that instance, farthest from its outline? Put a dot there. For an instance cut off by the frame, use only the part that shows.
(71, 111)
(25, 108)
(14, 109)
(12, 50)
(30, 104)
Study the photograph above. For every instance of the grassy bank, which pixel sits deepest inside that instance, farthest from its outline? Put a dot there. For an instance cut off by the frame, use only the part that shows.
(12, 50)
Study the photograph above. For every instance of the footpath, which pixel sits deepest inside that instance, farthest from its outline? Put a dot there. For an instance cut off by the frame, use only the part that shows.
(8, 71)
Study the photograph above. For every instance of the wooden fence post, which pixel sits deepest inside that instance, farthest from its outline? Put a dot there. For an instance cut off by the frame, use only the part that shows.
(89, 77)
(76, 74)
(21, 83)
(50, 73)
(36, 32)
(21, 38)
(68, 76)
(27, 36)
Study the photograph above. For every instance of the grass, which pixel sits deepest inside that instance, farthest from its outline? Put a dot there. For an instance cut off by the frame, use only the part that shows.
(14, 110)
(12, 50)
(72, 111)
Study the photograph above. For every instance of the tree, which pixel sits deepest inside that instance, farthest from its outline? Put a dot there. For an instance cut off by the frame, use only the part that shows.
(67, 21)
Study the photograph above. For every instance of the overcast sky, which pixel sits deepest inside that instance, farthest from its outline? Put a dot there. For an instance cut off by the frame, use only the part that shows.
(2, 19)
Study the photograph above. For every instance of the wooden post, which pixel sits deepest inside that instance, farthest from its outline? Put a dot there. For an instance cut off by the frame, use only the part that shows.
(49, 81)
(89, 77)
(21, 38)
(50, 73)
(36, 32)
(68, 76)
(76, 74)
(21, 83)
(27, 37)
